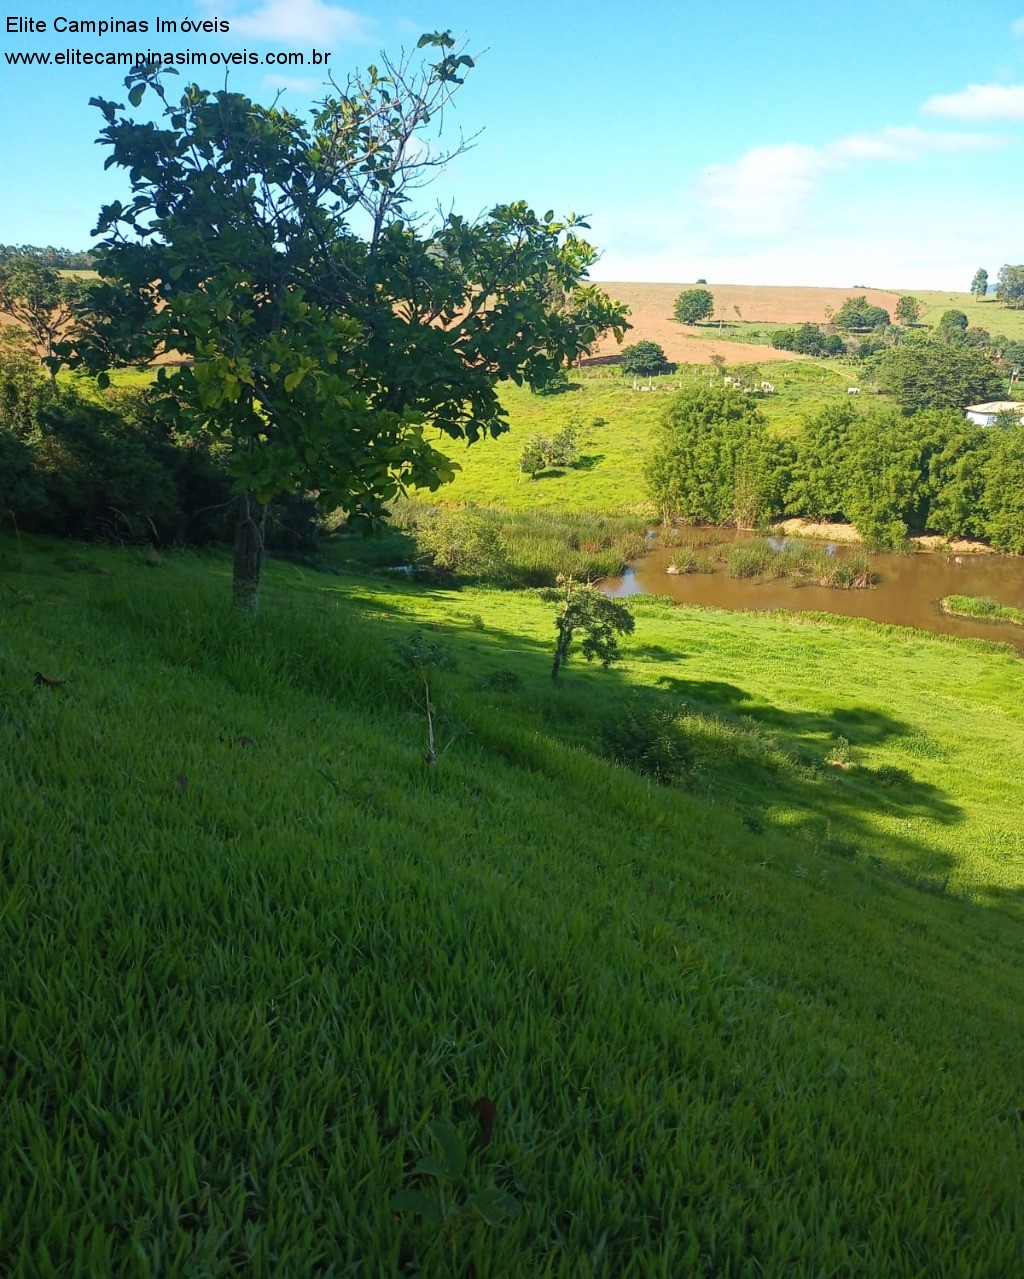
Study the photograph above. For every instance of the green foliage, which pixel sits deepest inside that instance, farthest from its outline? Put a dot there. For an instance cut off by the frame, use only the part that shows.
(867, 347)
(982, 606)
(952, 326)
(533, 458)
(647, 737)
(444, 1198)
(909, 310)
(520, 549)
(464, 542)
(807, 339)
(713, 461)
(1003, 496)
(821, 468)
(644, 359)
(925, 373)
(1010, 286)
(41, 299)
(593, 313)
(889, 473)
(320, 359)
(979, 284)
(540, 453)
(694, 305)
(56, 259)
(600, 620)
(857, 313)
(564, 448)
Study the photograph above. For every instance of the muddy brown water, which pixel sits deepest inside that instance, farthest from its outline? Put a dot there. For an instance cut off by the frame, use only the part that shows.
(907, 594)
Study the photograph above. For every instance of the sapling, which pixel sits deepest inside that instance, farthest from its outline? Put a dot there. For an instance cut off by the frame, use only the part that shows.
(599, 617)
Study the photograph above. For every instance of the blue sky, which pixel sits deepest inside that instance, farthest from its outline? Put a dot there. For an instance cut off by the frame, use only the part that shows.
(794, 143)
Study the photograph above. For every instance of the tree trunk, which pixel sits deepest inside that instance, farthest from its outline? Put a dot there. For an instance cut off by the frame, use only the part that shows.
(250, 532)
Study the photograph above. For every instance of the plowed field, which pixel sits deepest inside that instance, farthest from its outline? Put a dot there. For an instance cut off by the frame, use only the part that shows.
(652, 317)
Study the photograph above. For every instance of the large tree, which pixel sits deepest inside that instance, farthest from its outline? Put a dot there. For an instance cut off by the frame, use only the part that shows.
(858, 314)
(1010, 286)
(979, 285)
(927, 373)
(694, 305)
(40, 299)
(644, 359)
(331, 337)
(909, 310)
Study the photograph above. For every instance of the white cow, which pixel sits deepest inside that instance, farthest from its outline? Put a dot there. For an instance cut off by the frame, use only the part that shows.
(853, 390)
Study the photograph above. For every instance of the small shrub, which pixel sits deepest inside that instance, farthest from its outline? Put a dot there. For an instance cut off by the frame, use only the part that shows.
(648, 739)
(464, 542)
(532, 460)
(563, 450)
(420, 653)
(501, 681)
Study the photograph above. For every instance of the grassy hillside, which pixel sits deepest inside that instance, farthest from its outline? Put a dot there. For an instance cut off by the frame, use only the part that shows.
(986, 313)
(616, 424)
(762, 1021)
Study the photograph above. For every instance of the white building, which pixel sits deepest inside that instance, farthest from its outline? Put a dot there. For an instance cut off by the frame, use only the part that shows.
(985, 414)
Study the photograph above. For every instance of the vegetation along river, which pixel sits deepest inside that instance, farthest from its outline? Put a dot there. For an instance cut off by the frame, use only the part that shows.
(907, 591)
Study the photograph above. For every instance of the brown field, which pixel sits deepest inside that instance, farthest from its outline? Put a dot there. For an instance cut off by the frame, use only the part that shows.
(652, 304)
(652, 321)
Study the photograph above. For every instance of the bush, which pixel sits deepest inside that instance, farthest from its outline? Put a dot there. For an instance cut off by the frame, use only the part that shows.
(464, 542)
(22, 495)
(808, 339)
(644, 359)
(693, 306)
(648, 739)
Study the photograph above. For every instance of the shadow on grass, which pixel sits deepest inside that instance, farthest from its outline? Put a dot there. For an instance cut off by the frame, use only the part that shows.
(762, 770)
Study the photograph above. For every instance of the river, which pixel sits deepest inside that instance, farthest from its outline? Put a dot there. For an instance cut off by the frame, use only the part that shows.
(907, 593)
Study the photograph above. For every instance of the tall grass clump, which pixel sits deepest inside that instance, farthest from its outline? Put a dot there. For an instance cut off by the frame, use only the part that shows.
(522, 548)
(755, 558)
(982, 607)
(800, 563)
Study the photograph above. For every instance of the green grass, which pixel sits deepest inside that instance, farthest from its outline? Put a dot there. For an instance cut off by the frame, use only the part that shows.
(609, 479)
(983, 607)
(986, 313)
(765, 1021)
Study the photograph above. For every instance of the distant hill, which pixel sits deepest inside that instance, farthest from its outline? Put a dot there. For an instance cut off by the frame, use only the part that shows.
(652, 320)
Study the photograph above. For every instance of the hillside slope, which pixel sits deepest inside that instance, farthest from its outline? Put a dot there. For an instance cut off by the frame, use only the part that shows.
(763, 1021)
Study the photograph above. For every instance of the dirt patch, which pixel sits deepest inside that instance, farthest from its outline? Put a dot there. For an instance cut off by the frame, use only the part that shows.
(847, 533)
(956, 546)
(652, 321)
(810, 528)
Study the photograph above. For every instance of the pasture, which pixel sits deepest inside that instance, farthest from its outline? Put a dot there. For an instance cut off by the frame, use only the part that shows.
(282, 999)
(616, 424)
(765, 306)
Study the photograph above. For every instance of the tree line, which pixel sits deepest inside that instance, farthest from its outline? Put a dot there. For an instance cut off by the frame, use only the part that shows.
(889, 473)
(54, 258)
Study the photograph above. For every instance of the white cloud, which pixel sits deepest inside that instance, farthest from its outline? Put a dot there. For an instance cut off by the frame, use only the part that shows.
(300, 22)
(1018, 27)
(765, 187)
(907, 143)
(979, 102)
(763, 193)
